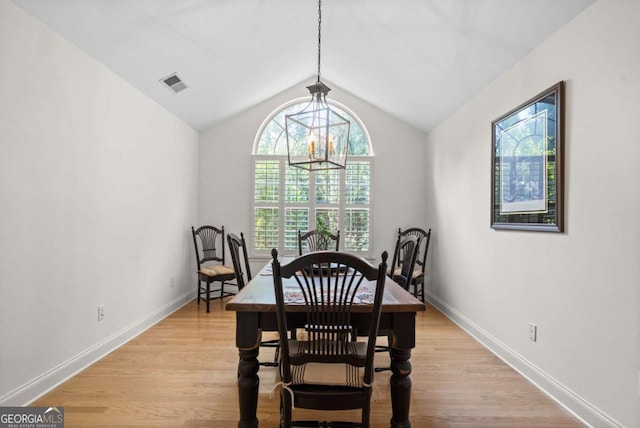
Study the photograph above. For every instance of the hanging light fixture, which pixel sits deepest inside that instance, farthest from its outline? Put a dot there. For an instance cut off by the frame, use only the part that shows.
(317, 136)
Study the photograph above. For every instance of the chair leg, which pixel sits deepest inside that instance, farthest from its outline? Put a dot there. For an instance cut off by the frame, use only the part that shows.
(419, 291)
(285, 409)
(388, 350)
(208, 295)
(198, 284)
(366, 409)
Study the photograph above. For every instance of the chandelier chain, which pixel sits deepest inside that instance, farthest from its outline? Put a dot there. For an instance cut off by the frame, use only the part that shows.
(317, 136)
(319, 38)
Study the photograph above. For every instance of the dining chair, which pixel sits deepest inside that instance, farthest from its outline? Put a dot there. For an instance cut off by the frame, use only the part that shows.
(419, 272)
(405, 254)
(315, 241)
(208, 242)
(242, 268)
(404, 258)
(328, 369)
(418, 277)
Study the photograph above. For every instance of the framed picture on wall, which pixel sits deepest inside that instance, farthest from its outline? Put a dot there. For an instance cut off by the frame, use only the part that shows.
(527, 172)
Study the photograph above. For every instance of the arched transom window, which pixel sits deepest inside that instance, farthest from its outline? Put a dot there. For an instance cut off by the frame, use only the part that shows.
(287, 199)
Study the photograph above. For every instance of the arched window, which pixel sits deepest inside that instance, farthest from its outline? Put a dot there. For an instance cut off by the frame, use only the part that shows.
(287, 199)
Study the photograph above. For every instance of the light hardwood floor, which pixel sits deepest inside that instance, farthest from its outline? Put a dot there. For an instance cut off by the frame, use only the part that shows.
(182, 373)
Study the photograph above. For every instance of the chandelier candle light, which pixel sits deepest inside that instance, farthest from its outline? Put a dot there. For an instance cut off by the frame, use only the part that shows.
(317, 136)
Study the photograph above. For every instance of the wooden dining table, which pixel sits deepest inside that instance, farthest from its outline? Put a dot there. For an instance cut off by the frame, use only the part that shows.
(255, 308)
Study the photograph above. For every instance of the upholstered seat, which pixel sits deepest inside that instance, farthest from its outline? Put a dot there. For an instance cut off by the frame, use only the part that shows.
(398, 270)
(327, 374)
(214, 271)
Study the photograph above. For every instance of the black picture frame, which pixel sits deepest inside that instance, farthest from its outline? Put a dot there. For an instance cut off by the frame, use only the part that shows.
(527, 164)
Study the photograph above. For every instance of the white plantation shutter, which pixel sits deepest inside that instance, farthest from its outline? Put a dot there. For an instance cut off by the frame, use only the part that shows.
(294, 219)
(355, 236)
(341, 197)
(296, 186)
(328, 187)
(296, 214)
(267, 181)
(266, 203)
(358, 183)
(266, 232)
(356, 223)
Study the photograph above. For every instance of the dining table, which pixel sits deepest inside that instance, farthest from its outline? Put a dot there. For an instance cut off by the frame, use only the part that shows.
(255, 308)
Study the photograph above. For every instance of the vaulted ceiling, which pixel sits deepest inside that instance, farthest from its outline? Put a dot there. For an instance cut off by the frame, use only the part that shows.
(418, 60)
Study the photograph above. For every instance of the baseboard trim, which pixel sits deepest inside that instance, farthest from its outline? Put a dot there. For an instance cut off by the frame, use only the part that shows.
(572, 402)
(34, 389)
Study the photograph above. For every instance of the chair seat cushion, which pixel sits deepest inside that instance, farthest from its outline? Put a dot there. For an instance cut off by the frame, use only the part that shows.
(216, 270)
(325, 373)
(397, 271)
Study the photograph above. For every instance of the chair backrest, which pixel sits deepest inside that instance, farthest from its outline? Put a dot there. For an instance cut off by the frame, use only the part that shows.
(405, 255)
(328, 284)
(209, 244)
(240, 261)
(423, 249)
(314, 241)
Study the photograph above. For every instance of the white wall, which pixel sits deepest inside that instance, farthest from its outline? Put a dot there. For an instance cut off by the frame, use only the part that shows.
(399, 167)
(98, 188)
(580, 287)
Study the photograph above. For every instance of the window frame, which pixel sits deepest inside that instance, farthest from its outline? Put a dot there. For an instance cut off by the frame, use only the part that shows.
(281, 205)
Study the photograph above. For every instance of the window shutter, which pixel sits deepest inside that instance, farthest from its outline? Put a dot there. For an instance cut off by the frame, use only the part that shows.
(266, 199)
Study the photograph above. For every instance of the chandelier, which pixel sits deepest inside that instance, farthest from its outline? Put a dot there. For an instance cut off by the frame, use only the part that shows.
(317, 136)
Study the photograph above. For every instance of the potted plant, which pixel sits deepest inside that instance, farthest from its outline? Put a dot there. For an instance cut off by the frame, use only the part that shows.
(323, 233)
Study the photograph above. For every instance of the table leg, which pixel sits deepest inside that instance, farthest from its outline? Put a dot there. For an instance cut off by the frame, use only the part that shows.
(400, 387)
(248, 383)
(404, 339)
(248, 341)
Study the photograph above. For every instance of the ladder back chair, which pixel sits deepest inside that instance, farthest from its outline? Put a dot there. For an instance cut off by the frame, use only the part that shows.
(208, 242)
(404, 259)
(328, 369)
(405, 254)
(418, 278)
(314, 241)
(421, 265)
(241, 266)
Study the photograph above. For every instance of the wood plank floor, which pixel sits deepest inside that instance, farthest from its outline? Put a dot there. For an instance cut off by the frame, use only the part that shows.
(182, 373)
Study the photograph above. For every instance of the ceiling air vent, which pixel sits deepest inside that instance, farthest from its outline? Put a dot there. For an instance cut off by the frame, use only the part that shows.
(174, 83)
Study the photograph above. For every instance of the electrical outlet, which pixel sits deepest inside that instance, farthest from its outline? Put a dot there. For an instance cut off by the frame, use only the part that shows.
(533, 332)
(172, 281)
(101, 312)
